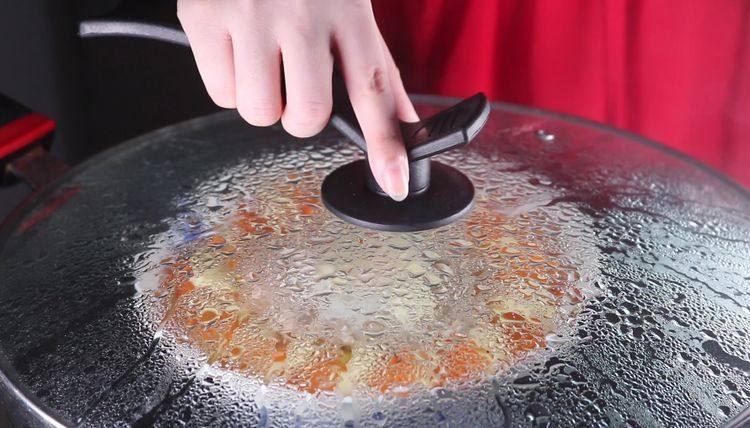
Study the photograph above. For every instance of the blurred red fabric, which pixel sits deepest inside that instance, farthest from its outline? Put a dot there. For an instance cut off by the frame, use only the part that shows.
(675, 71)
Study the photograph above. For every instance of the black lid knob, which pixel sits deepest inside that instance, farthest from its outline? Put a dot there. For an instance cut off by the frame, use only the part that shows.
(438, 194)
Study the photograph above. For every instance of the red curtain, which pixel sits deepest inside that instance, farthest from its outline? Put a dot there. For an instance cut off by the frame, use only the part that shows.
(675, 71)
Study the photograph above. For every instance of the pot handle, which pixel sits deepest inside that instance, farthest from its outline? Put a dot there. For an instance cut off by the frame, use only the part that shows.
(23, 151)
(115, 27)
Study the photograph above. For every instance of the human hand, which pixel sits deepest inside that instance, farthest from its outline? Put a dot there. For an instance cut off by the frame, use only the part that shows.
(240, 46)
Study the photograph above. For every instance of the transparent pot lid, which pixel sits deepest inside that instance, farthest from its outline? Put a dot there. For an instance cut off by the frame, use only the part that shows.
(195, 276)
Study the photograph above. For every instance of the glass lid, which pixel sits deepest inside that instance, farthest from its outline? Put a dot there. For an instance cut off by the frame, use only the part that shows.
(194, 276)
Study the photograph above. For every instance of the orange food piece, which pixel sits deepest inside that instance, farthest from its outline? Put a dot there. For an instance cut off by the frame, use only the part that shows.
(237, 323)
(246, 226)
(513, 316)
(235, 351)
(526, 337)
(279, 351)
(231, 263)
(557, 290)
(217, 240)
(402, 369)
(208, 315)
(325, 377)
(183, 289)
(176, 273)
(249, 221)
(464, 360)
(211, 334)
(321, 374)
(307, 210)
(228, 250)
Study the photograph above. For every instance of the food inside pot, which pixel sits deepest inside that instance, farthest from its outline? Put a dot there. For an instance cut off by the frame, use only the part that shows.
(276, 288)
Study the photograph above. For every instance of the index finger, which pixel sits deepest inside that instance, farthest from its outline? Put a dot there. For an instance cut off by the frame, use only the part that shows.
(365, 70)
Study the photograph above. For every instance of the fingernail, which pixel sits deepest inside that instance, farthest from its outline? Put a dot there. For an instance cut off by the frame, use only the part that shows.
(396, 180)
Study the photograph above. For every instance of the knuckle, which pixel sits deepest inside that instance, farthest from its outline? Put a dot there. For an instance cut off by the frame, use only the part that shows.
(304, 31)
(374, 82)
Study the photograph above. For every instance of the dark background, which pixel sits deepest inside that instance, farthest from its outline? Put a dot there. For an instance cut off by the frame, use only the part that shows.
(99, 92)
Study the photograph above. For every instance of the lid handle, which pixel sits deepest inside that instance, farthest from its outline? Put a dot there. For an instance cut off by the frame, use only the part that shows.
(453, 127)
(448, 129)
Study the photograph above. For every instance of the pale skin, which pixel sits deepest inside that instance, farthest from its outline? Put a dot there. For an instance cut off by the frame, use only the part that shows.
(240, 47)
